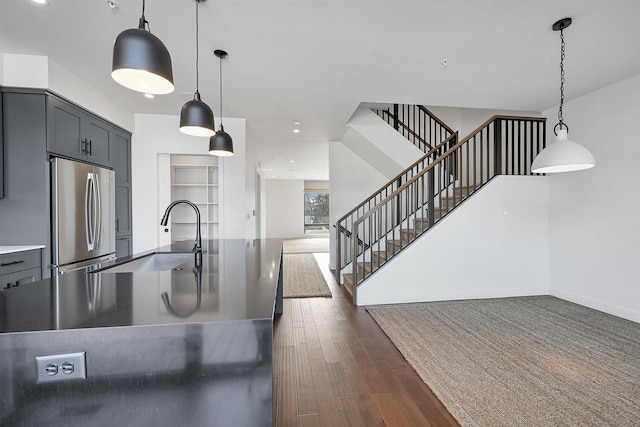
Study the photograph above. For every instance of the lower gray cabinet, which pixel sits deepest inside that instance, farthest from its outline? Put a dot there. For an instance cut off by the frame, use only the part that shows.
(8, 281)
(18, 268)
(123, 247)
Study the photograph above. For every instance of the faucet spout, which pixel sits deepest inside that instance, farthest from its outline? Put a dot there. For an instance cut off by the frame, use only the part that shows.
(197, 246)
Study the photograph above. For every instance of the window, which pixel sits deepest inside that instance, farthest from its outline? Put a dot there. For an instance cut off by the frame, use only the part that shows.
(316, 212)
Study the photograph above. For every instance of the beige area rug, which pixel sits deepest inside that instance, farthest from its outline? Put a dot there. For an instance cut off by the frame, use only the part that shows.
(303, 278)
(305, 246)
(535, 361)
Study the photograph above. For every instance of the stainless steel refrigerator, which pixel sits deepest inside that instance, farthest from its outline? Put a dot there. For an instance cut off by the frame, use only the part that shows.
(83, 215)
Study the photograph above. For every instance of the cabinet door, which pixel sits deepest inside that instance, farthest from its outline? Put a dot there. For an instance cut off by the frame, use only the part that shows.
(1, 151)
(123, 211)
(121, 156)
(97, 137)
(123, 247)
(65, 129)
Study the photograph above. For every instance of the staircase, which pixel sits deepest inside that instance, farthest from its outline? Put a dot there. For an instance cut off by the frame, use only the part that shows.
(449, 173)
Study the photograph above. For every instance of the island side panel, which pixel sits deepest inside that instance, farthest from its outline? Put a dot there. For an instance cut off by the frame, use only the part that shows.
(217, 373)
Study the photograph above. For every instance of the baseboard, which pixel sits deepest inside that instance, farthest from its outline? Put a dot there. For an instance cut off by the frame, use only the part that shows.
(363, 299)
(614, 310)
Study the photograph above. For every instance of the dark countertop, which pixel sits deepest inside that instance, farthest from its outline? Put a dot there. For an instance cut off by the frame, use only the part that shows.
(238, 281)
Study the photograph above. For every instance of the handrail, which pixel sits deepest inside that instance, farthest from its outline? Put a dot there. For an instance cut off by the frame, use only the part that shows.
(434, 117)
(408, 129)
(348, 233)
(401, 174)
(442, 157)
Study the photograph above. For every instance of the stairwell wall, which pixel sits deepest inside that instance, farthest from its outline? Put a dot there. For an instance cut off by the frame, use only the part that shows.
(352, 180)
(595, 214)
(496, 245)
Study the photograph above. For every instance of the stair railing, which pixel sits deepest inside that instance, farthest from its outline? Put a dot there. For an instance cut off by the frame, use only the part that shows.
(503, 145)
(416, 123)
(345, 224)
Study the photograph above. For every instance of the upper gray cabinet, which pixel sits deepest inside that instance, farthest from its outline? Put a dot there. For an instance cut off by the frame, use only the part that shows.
(72, 132)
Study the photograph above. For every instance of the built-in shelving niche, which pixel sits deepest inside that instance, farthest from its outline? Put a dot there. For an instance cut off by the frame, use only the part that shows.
(197, 179)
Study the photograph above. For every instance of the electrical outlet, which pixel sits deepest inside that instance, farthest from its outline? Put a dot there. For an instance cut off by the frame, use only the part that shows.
(61, 367)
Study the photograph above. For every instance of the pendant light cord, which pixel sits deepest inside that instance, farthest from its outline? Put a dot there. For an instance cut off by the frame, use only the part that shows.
(197, 50)
(562, 55)
(143, 24)
(220, 92)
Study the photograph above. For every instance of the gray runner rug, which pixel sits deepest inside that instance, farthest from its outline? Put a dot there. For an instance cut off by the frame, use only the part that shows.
(302, 277)
(533, 361)
(305, 246)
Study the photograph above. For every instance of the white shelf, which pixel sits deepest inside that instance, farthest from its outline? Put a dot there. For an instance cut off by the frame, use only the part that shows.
(195, 222)
(184, 165)
(194, 185)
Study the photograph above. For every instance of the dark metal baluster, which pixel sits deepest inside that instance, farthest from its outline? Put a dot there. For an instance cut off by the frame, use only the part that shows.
(430, 196)
(481, 161)
(466, 149)
(530, 144)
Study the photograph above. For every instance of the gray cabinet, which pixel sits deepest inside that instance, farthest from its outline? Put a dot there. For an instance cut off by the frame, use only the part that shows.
(121, 146)
(1, 152)
(72, 132)
(121, 157)
(19, 268)
(123, 247)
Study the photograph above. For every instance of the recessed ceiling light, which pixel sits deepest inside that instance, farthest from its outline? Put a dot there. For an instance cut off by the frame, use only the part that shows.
(270, 170)
(112, 4)
(291, 161)
(40, 1)
(296, 127)
(149, 95)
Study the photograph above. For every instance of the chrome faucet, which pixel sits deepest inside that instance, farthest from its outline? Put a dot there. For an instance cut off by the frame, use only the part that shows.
(197, 246)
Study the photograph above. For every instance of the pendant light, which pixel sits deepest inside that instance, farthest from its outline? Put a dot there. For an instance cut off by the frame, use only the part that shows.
(141, 61)
(563, 155)
(196, 118)
(221, 143)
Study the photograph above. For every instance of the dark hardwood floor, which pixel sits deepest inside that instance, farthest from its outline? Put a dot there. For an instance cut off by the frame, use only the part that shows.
(333, 366)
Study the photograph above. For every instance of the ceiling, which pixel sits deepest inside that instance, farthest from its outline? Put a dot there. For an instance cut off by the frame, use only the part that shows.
(314, 61)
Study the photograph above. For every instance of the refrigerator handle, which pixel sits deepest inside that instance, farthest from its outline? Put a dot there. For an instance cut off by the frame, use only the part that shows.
(98, 211)
(88, 220)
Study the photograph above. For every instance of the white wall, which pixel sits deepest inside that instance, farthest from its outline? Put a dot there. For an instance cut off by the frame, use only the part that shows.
(595, 214)
(379, 144)
(159, 134)
(466, 120)
(495, 245)
(42, 72)
(25, 71)
(352, 180)
(285, 208)
(251, 165)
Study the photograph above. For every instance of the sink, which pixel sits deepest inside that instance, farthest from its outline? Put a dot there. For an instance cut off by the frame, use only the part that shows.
(152, 262)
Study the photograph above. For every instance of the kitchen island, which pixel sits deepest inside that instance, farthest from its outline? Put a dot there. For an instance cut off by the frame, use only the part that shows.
(191, 346)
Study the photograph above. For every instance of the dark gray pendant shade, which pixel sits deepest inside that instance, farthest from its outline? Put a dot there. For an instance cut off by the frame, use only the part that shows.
(196, 118)
(221, 144)
(141, 62)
